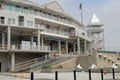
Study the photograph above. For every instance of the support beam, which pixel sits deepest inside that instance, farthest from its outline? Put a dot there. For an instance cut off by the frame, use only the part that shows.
(3, 40)
(12, 61)
(38, 39)
(66, 46)
(59, 46)
(8, 37)
(78, 45)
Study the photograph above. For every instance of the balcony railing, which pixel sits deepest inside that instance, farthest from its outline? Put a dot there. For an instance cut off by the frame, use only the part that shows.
(32, 48)
(39, 26)
(20, 47)
(56, 32)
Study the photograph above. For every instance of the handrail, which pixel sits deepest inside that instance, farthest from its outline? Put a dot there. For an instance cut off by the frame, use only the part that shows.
(51, 62)
(26, 64)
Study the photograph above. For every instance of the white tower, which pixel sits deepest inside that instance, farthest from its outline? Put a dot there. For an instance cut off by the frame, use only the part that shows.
(96, 33)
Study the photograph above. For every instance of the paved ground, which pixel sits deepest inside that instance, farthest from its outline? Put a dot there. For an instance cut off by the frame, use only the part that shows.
(61, 76)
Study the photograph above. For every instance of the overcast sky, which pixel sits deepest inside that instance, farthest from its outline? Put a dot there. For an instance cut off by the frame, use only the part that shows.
(108, 11)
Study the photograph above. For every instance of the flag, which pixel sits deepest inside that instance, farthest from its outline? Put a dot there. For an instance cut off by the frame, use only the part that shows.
(80, 6)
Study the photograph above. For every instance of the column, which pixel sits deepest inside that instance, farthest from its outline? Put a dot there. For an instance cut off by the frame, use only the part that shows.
(74, 47)
(103, 42)
(59, 45)
(66, 46)
(31, 42)
(3, 40)
(42, 42)
(12, 61)
(85, 46)
(78, 45)
(46, 57)
(90, 47)
(8, 37)
(38, 39)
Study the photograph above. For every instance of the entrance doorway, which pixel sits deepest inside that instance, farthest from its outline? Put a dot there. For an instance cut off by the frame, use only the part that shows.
(0, 66)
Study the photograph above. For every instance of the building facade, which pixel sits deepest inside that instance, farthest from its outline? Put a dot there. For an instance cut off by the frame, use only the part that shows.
(29, 30)
(96, 32)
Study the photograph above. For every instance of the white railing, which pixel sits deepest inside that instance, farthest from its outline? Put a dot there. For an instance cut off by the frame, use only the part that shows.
(20, 47)
(56, 32)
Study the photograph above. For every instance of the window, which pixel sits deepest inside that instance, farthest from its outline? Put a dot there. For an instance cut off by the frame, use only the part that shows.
(9, 7)
(48, 27)
(17, 9)
(11, 21)
(25, 10)
(2, 20)
(30, 23)
(21, 20)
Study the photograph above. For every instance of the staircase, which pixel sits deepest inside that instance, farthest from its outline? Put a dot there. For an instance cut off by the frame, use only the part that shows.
(41, 62)
(25, 66)
(50, 62)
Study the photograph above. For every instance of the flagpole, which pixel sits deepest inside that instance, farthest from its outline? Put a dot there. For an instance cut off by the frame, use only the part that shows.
(81, 13)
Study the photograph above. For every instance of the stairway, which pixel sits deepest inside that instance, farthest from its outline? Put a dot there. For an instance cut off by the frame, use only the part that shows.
(25, 66)
(41, 62)
(47, 64)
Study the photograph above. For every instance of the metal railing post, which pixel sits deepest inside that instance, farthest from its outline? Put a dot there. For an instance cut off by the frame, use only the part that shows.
(74, 74)
(89, 74)
(32, 76)
(56, 75)
(101, 74)
(113, 72)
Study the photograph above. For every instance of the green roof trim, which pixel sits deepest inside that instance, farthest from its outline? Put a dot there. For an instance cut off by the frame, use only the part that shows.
(112, 52)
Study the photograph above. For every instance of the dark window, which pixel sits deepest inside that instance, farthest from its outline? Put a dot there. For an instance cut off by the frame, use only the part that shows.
(48, 27)
(2, 20)
(83, 33)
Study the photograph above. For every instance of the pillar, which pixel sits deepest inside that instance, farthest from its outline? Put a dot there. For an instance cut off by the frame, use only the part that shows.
(38, 39)
(59, 46)
(42, 42)
(78, 45)
(13, 61)
(3, 40)
(31, 42)
(85, 46)
(8, 37)
(66, 46)
(74, 47)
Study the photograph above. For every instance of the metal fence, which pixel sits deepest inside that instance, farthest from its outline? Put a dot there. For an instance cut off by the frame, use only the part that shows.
(88, 74)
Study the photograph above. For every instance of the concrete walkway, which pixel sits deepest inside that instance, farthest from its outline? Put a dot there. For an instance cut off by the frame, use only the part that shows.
(61, 76)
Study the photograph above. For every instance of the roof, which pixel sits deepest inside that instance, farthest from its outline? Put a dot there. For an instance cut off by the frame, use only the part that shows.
(94, 19)
(54, 6)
